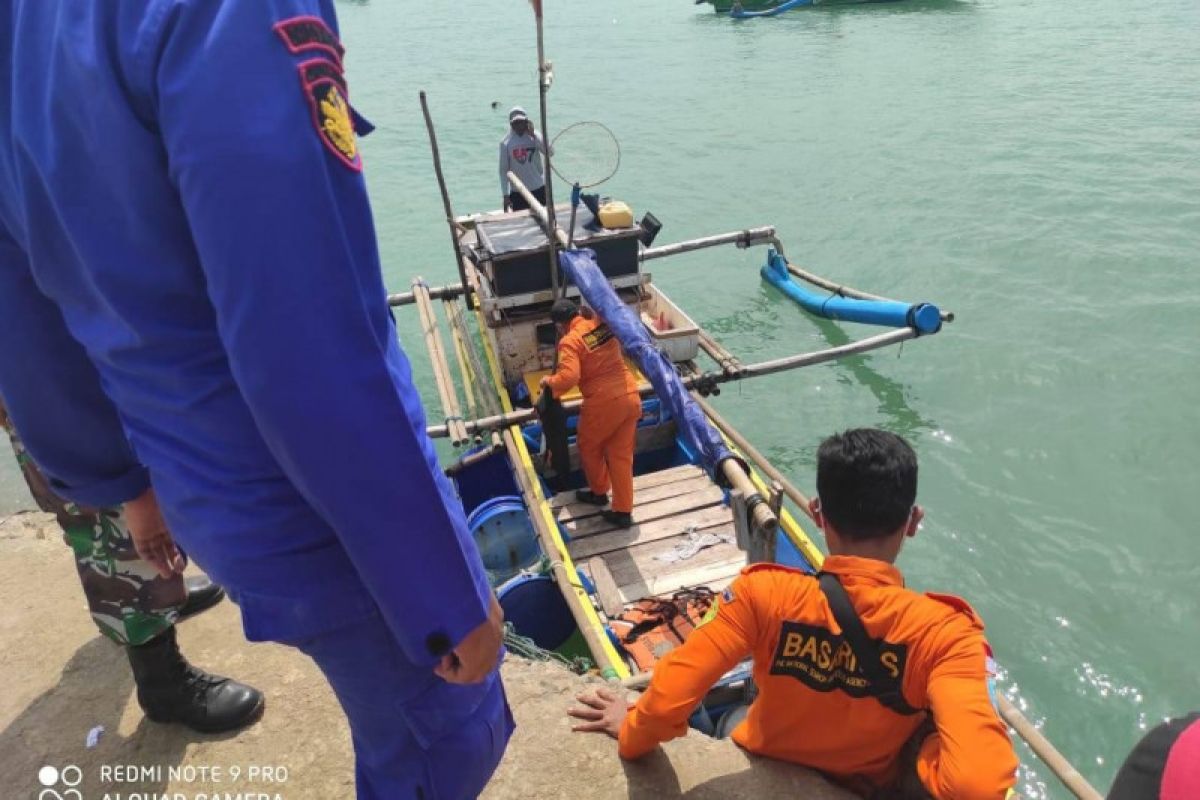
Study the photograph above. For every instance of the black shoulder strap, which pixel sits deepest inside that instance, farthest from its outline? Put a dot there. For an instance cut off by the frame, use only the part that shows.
(865, 651)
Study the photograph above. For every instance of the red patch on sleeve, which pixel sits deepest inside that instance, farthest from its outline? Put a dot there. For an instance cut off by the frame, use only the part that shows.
(304, 34)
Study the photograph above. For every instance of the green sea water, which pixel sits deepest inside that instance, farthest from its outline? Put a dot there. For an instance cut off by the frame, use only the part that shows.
(1032, 166)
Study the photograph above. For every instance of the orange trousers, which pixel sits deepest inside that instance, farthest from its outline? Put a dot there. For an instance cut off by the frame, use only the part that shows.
(607, 433)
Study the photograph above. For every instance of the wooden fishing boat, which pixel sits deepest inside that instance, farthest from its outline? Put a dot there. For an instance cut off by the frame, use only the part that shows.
(707, 503)
(569, 581)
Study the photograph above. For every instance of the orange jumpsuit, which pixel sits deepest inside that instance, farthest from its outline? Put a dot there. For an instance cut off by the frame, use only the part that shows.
(589, 356)
(806, 676)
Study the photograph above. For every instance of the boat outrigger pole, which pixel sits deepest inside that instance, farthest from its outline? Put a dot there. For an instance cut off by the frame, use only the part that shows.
(708, 381)
(441, 179)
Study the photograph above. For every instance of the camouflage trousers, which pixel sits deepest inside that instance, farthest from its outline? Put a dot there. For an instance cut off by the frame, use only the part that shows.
(130, 602)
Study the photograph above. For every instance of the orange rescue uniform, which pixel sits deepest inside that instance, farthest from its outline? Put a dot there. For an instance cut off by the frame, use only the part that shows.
(806, 710)
(589, 356)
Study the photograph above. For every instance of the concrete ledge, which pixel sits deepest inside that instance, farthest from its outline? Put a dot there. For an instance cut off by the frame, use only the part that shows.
(62, 679)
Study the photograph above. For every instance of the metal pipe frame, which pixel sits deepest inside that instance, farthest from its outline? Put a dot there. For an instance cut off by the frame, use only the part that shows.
(743, 239)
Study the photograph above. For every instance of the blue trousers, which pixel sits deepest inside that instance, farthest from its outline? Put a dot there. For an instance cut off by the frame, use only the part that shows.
(416, 737)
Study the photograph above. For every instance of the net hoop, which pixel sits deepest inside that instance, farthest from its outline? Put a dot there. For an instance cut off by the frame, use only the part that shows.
(591, 182)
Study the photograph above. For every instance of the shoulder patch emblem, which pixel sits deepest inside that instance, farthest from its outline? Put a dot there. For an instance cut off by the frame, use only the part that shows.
(598, 336)
(327, 94)
(304, 34)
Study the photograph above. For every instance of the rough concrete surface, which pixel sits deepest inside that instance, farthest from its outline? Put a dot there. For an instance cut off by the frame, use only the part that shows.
(61, 679)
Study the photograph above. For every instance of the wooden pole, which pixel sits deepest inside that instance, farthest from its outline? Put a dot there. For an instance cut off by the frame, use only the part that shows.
(743, 239)
(567, 582)
(750, 452)
(457, 333)
(726, 360)
(435, 293)
(711, 378)
(455, 426)
(441, 179)
(1046, 751)
(543, 87)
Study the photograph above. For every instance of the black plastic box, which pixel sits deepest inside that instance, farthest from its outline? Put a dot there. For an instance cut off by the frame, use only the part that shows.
(513, 252)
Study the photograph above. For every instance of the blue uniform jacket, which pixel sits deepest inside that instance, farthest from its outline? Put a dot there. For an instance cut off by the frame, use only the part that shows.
(180, 185)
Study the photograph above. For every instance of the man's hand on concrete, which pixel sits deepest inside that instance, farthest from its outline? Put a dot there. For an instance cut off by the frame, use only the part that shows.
(475, 657)
(150, 536)
(604, 712)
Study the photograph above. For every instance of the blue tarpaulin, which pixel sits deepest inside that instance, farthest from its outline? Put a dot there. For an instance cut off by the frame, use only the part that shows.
(701, 437)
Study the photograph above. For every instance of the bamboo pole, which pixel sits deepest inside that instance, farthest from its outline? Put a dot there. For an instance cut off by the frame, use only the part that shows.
(458, 333)
(441, 179)
(1047, 752)
(744, 238)
(750, 452)
(831, 354)
(455, 426)
(726, 360)
(543, 87)
(435, 293)
(567, 582)
(709, 378)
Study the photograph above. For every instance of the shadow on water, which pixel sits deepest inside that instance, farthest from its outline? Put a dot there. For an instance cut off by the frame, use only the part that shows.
(892, 396)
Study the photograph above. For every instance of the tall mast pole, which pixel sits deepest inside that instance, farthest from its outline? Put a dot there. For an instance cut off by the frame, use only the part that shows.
(543, 88)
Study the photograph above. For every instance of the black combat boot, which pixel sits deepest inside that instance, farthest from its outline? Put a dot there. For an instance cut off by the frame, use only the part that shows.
(169, 689)
(622, 519)
(202, 594)
(590, 497)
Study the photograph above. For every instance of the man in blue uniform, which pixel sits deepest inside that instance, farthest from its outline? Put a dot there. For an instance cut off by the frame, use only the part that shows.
(181, 193)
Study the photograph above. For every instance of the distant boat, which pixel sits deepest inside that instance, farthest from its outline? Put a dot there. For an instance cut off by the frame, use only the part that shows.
(726, 6)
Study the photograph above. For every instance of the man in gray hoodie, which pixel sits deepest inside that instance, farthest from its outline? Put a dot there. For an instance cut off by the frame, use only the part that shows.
(521, 153)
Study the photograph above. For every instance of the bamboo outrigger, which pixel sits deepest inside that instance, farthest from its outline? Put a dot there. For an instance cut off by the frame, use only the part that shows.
(564, 575)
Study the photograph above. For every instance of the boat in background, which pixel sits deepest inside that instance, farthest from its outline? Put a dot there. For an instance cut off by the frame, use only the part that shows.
(744, 9)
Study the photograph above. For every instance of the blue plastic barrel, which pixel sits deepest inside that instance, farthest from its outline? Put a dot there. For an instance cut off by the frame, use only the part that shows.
(535, 607)
(504, 535)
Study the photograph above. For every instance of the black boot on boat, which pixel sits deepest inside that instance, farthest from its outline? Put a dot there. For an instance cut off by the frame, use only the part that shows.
(622, 519)
(169, 689)
(590, 497)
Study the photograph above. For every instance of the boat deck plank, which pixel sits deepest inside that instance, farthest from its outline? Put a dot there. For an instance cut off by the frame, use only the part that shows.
(577, 510)
(640, 482)
(668, 507)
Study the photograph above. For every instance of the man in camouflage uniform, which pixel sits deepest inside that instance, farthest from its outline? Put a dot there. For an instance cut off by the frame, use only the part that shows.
(136, 606)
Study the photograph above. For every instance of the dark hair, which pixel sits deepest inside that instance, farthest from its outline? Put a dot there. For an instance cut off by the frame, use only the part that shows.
(867, 482)
(563, 310)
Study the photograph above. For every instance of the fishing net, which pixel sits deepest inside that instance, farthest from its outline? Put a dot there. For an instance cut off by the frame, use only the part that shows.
(586, 153)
